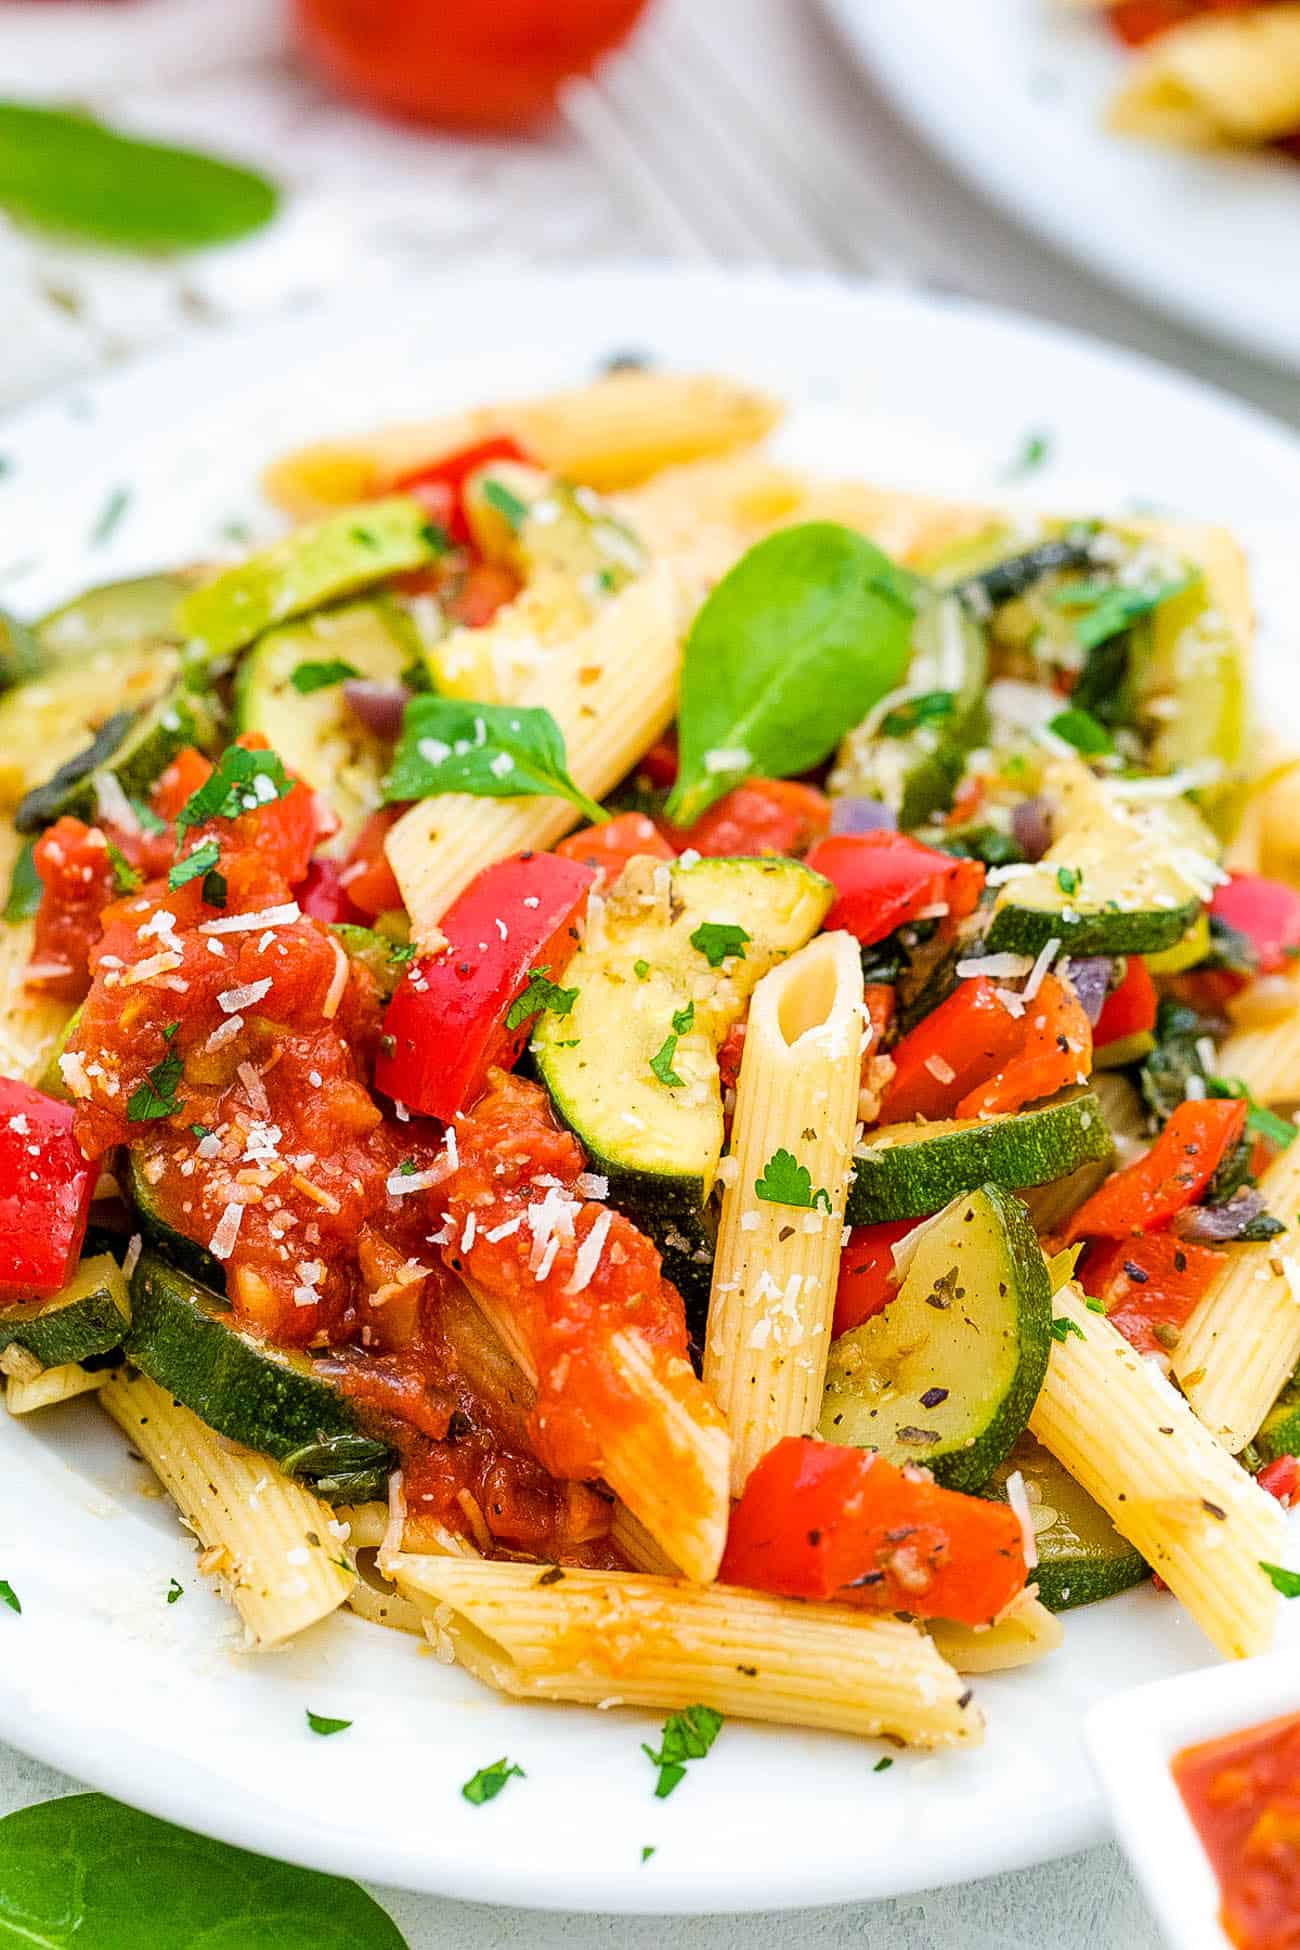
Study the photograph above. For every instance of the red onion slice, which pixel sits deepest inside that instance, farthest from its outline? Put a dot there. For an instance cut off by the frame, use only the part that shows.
(1031, 827)
(1209, 1225)
(378, 706)
(1090, 978)
(853, 815)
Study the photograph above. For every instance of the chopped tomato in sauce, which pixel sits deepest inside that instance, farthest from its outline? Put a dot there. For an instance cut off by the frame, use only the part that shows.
(1242, 1792)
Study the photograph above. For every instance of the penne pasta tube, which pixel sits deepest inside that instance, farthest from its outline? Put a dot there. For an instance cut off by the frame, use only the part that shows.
(612, 692)
(1026, 1631)
(1266, 1056)
(30, 1023)
(1113, 1420)
(1242, 1343)
(1218, 77)
(618, 1638)
(52, 1386)
(775, 1265)
(267, 1540)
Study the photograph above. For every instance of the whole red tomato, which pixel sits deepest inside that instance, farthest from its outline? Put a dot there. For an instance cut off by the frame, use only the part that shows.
(486, 64)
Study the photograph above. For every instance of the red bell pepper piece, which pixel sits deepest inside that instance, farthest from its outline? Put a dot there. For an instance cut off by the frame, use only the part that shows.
(46, 1185)
(761, 816)
(440, 485)
(866, 1280)
(820, 1521)
(969, 1036)
(1130, 1009)
(660, 764)
(1173, 1174)
(367, 878)
(1281, 1478)
(446, 1027)
(1267, 912)
(1148, 1286)
(1055, 1051)
(323, 895)
(883, 880)
(608, 848)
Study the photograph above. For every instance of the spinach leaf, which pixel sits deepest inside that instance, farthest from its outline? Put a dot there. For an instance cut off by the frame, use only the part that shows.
(62, 172)
(494, 751)
(86, 1872)
(1175, 1057)
(791, 649)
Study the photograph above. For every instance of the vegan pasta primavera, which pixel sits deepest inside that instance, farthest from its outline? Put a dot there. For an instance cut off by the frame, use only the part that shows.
(670, 1074)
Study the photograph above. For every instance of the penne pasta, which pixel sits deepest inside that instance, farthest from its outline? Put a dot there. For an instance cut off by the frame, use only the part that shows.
(1266, 1056)
(1243, 1341)
(24, 1396)
(1113, 1420)
(1219, 77)
(775, 1266)
(612, 692)
(268, 1541)
(1026, 1631)
(614, 1638)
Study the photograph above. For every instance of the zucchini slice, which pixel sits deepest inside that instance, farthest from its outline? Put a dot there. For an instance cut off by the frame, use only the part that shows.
(313, 566)
(90, 1315)
(948, 1373)
(54, 717)
(1081, 1555)
(315, 732)
(267, 1398)
(1279, 1433)
(173, 1246)
(381, 955)
(136, 748)
(116, 616)
(656, 1142)
(904, 1171)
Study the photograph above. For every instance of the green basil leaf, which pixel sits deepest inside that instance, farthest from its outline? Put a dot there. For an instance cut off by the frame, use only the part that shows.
(25, 887)
(791, 649)
(85, 1873)
(65, 173)
(494, 751)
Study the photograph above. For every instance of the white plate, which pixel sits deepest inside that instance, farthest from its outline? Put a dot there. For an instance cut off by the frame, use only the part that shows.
(1012, 93)
(100, 1676)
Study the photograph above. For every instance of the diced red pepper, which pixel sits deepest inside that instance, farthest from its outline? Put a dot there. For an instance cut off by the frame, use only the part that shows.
(473, 599)
(1173, 1174)
(761, 816)
(323, 895)
(880, 1002)
(1266, 912)
(283, 833)
(660, 763)
(446, 1027)
(1130, 1009)
(730, 1053)
(820, 1521)
(866, 1281)
(969, 1036)
(1149, 1286)
(1055, 1052)
(46, 1185)
(440, 485)
(607, 849)
(370, 882)
(76, 872)
(1281, 1478)
(883, 880)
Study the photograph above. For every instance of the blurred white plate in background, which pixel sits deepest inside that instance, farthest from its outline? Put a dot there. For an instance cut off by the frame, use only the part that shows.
(1012, 93)
(151, 1702)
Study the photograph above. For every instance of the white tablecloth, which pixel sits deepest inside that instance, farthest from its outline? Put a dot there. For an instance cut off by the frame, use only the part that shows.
(367, 197)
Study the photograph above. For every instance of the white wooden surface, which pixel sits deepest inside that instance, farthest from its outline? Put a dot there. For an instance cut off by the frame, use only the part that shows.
(371, 202)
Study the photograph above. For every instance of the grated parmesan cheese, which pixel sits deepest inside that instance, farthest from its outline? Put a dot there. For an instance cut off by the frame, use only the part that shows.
(1018, 1498)
(589, 1252)
(269, 917)
(232, 1000)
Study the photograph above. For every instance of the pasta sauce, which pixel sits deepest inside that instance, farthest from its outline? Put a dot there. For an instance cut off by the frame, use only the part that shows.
(1243, 1794)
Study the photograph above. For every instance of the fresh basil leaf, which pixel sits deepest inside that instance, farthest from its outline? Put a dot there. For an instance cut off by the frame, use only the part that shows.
(201, 860)
(930, 708)
(8, 1596)
(1086, 733)
(1287, 1582)
(717, 941)
(243, 781)
(156, 1096)
(62, 172)
(322, 1724)
(541, 993)
(25, 887)
(488, 1782)
(308, 677)
(494, 751)
(1265, 1123)
(175, 1590)
(791, 649)
(1110, 607)
(85, 1873)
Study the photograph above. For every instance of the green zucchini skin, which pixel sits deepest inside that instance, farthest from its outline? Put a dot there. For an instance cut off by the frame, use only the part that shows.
(115, 616)
(1279, 1433)
(165, 1241)
(90, 1316)
(1144, 931)
(136, 748)
(1081, 1555)
(255, 1394)
(1031, 1147)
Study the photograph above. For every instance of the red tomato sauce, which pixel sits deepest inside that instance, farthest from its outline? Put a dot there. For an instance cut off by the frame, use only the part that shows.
(1243, 1794)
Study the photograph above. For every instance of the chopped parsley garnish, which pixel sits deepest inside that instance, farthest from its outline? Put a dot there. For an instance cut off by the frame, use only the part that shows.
(1035, 451)
(686, 1736)
(882, 1765)
(541, 993)
(489, 1781)
(931, 708)
(200, 1130)
(1275, 1130)
(175, 1590)
(8, 1596)
(201, 861)
(1063, 1327)
(402, 952)
(640, 969)
(146, 815)
(156, 1096)
(407, 1168)
(321, 1723)
(786, 1182)
(1110, 607)
(498, 496)
(1080, 729)
(320, 676)
(662, 1063)
(1287, 1582)
(647, 1851)
(438, 539)
(169, 1033)
(214, 889)
(1069, 879)
(684, 1019)
(242, 782)
(110, 515)
(25, 887)
(718, 940)
(1095, 1306)
(125, 877)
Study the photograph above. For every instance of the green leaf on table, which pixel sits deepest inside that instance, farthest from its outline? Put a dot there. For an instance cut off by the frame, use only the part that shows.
(322, 1724)
(85, 1873)
(488, 1782)
(25, 886)
(8, 1596)
(1287, 1582)
(493, 751)
(63, 172)
(687, 1735)
(1034, 452)
(789, 651)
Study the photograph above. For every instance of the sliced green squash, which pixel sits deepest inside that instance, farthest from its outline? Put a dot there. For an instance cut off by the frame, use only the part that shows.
(136, 748)
(116, 616)
(315, 565)
(659, 951)
(315, 732)
(54, 717)
(904, 1171)
(90, 1315)
(1279, 1433)
(271, 1399)
(1081, 1555)
(173, 1246)
(948, 1373)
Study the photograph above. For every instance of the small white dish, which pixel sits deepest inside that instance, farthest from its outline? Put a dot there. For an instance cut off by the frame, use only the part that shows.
(1132, 1739)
